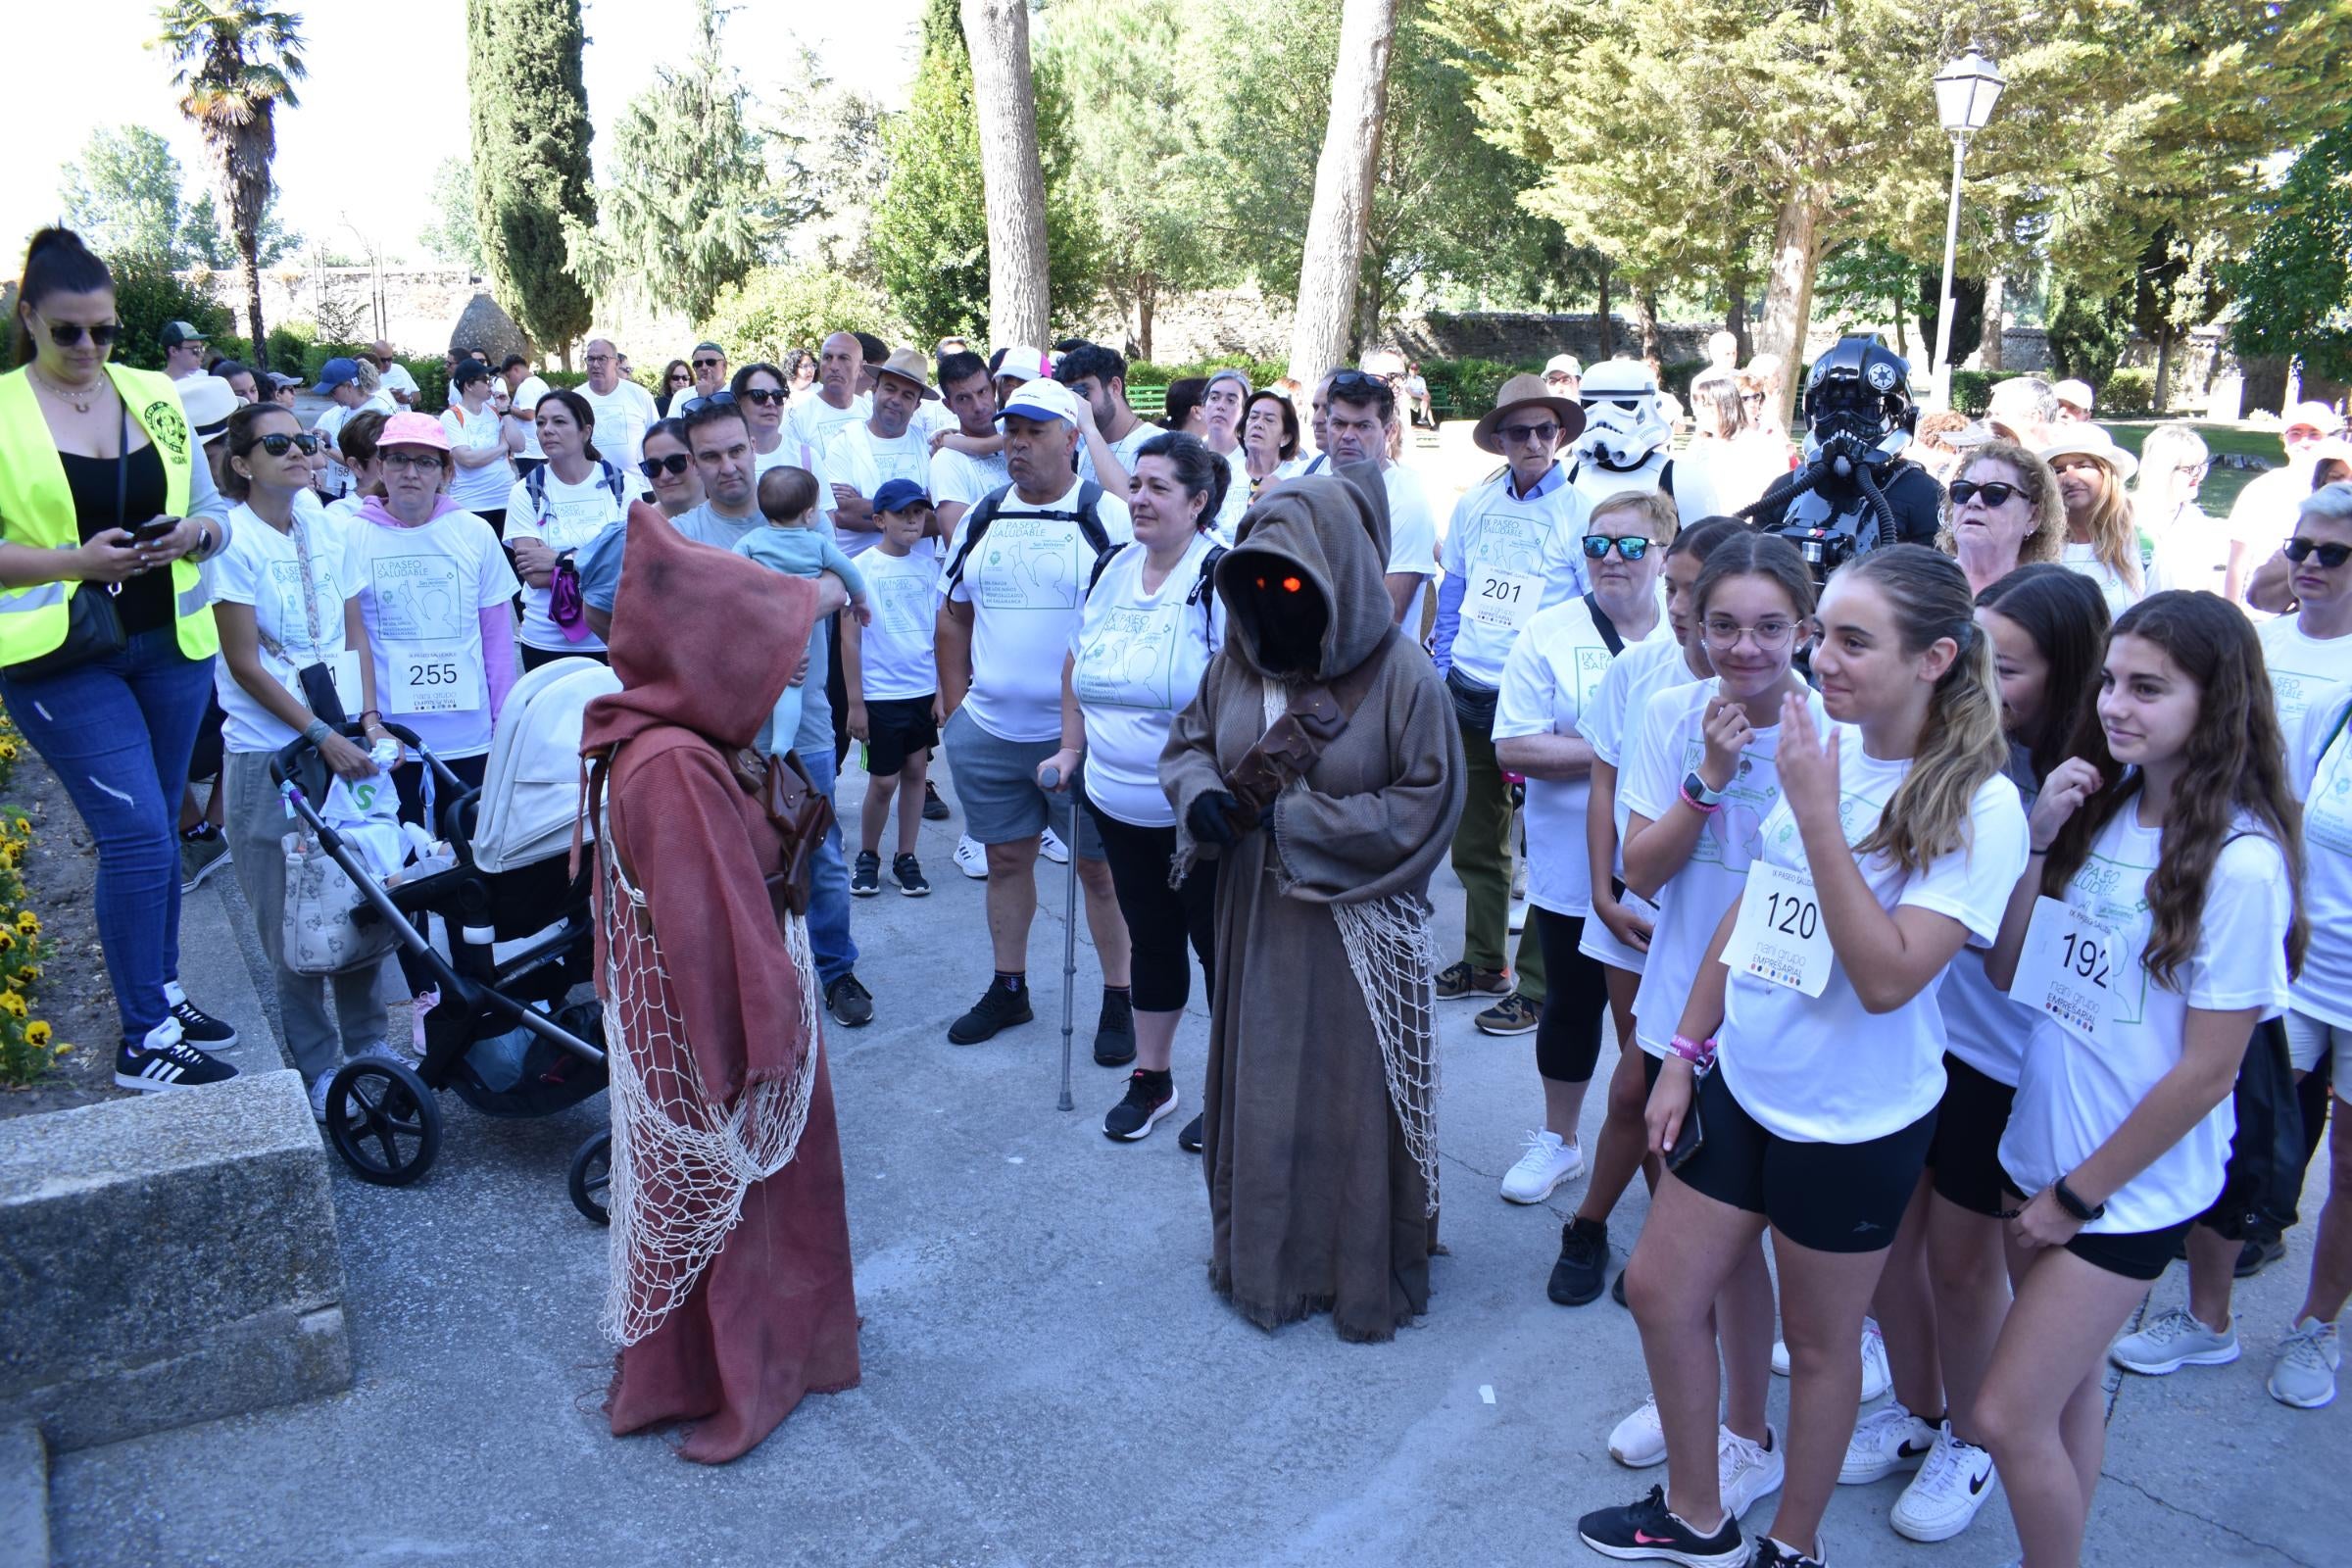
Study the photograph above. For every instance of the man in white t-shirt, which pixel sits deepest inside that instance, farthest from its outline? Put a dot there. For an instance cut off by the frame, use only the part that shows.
(811, 425)
(523, 392)
(1109, 431)
(862, 457)
(624, 411)
(184, 351)
(395, 375)
(2263, 517)
(1359, 410)
(709, 362)
(1013, 599)
(959, 478)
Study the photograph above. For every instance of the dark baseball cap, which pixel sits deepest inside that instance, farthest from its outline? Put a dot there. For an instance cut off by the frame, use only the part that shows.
(178, 334)
(897, 495)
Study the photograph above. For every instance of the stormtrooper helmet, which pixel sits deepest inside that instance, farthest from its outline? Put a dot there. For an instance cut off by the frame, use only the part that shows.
(1622, 422)
(1858, 399)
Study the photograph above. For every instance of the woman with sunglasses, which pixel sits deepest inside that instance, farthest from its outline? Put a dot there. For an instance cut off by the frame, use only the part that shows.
(759, 389)
(2001, 513)
(2311, 650)
(676, 377)
(476, 420)
(668, 467)
(103, 492)
(287, 599)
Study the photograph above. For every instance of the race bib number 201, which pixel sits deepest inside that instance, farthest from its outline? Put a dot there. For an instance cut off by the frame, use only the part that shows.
(1780, 936)
(2067, 969)
(1505, 598)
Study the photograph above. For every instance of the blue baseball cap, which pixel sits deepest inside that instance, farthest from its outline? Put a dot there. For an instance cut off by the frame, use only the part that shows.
(897, 495)
(335, 371)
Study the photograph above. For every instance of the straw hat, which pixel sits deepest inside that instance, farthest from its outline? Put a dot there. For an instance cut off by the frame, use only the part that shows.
(2091, 441)
(1525, 392)
(908, 364)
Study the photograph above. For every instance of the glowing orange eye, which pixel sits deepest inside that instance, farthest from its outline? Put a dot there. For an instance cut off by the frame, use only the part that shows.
(1289, 585)
(1261, 584)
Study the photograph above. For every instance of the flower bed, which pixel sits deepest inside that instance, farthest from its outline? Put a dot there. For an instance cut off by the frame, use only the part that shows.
(29, 1046)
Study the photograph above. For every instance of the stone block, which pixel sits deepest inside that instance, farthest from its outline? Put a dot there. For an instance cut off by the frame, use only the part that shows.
(167, 1260)
(23, 1496)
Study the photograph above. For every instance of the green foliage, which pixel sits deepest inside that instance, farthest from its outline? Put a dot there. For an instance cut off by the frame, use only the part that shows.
(689, 211)
(122, 194)
(147, 294)
(2087, 329)
(1972, 390)
(530, 159)
(2294, 286)
(1472, 384)
(1261, 373)
(778, 309)
(456, 235)
(2127, 392)
(202, 240)
(290, 344)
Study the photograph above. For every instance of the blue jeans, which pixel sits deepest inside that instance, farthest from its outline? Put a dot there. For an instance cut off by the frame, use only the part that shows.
(829, 893)
(119, 732)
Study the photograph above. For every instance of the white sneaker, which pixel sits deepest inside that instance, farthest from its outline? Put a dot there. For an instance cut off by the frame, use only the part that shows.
(1547, 1162)
(2303, 1372)
(1745, 1471)
(971, 858)
(1638, 1442)
(1050, 844)
(1876, 1378)
(319, 1088)
(1885, 1441)
(2172, 1341)
(1952, 1484)
(1518, 916)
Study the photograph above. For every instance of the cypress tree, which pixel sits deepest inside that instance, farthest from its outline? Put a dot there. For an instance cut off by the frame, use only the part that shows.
(530, 159)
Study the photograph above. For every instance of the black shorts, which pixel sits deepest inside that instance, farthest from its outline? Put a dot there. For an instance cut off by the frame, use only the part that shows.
(897, 729)
(1965, 1154)
(1652, 1066)
(2142, 1255)
(1832, 1198)
(204, 762)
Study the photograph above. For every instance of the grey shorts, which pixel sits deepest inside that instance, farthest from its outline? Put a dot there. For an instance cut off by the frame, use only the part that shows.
(2311, 1041)
(996, 784)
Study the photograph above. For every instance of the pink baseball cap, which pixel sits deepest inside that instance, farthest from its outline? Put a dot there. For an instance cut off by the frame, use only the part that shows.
(414, 430)
(1022, 363)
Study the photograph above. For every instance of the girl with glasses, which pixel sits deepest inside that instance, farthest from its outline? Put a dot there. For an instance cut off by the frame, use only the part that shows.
(2192, 550)
(2000, 514)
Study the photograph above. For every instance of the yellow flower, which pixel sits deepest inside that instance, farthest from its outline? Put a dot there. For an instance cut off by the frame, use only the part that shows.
(12, 1004)
(62, 1049)
(7, 751)
(28, 923)
(25, 979)
(7, 941)
(38, 1032)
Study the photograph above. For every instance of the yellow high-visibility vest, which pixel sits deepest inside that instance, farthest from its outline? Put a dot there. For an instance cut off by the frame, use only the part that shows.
(36, 508)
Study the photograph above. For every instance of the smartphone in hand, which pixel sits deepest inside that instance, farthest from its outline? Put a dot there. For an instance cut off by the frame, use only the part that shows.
(153, 531)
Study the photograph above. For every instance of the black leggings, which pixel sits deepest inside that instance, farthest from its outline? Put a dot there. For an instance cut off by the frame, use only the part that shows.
(409, 779)
(533, 658)
(1575, 997)
(1161, 917)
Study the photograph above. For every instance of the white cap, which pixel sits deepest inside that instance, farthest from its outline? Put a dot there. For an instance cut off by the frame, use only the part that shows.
(1022, 362)
(1564, 365)
(1042, 398)
(2318, 415)
(2075, 394)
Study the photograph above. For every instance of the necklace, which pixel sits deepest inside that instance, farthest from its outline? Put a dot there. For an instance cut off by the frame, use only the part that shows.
(79, 400)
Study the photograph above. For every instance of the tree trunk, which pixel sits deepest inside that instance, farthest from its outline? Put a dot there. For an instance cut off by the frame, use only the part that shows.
(996, 33)
(1736, 324)
(249, 268)
(1146, 289)
(1328, 273)
(1608, 322)
(2165, 334)
(1645, 317)
(1789, 296)
(1990, 348)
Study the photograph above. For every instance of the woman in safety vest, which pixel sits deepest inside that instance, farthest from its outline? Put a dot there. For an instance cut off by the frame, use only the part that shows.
(105, 632)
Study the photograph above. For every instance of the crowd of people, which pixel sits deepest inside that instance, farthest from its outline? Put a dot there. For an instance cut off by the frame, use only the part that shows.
(1933, 881)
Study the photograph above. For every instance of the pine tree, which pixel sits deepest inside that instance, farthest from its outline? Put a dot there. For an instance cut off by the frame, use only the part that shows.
(530, 159)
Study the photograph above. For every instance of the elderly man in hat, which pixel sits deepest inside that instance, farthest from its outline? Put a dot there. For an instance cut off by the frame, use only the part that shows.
(1514, 547)
(2263, 519)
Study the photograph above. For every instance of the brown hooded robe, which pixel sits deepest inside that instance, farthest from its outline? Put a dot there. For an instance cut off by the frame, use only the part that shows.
(1316, 1202)
(704, 643)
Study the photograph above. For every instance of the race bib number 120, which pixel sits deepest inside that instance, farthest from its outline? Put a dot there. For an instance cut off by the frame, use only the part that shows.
(1780, 936)
(2068, 970)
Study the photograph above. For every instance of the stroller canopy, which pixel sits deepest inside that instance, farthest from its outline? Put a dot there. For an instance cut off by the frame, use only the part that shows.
(531, 792)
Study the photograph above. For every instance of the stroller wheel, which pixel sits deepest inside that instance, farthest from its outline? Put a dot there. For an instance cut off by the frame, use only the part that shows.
(383, 1121)
(592, 1178)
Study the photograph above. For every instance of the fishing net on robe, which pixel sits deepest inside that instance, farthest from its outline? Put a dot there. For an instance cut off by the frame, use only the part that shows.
(681, 1161)
(1394, 957)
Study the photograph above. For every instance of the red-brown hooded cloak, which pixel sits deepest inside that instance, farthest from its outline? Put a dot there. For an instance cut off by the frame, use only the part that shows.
(705, 643)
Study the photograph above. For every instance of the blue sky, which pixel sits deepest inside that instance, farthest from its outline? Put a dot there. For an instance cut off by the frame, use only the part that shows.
(388, 79)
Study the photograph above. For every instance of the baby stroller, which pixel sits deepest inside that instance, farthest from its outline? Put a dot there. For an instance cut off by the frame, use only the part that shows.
(518, 938)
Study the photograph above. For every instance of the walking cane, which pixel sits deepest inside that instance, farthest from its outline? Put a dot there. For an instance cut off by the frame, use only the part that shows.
(1051, 778)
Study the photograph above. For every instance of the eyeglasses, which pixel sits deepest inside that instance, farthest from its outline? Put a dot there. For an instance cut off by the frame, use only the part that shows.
(1994, 493)
(277, 443)
(1541, 434)
(1770, 636)
(680, 376)
(1630, 547)
(418, 459)
(708, 364)
(713, 401)
(762, 395)
(676, 463)
(64, 334)
(2193, 470)
(2299, 549)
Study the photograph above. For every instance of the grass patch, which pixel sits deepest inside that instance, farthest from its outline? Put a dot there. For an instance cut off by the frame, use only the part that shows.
(2222, 484)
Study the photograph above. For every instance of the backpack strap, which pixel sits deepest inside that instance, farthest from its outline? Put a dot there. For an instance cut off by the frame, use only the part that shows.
(975, 523)
(1607, 628)
(1087, 517)
(534, 487)
(1205, 589)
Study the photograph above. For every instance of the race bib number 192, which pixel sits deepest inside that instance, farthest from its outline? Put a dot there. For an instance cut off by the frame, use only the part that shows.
(1780, 936)
(2067, 969)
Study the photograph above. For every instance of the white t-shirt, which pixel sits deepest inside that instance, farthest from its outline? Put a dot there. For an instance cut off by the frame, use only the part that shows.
(865, 461)
(1612, 723)
(1236, 497)
(2071, 1096)
(2192, 550)
(482, 489)
(574, 514)
(328, 427)
(396, 380)
(622, 417)
(1127, 446)
(785, 455)
(896, 652)
(1412, 534)
(521, 406)
(1025, 583)
(2119, 594)
(958, 478)
(1515, 559)
(1982, 1026)
(2263, 517)
(422, 591)
(1555, 670)
(1824, 1069)
(1672, 743)
(262, 567)
(1140, 656)
(2301, 666)
(810, 421)
(2324, 990)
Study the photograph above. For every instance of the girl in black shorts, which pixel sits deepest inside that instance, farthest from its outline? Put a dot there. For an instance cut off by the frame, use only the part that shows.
(1895, 841)
(2155, 927)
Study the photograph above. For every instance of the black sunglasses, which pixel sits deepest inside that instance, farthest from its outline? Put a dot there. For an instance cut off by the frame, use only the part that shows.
(1358, 381)
(1630, 547)
(64, 334)
(277, 442)
(762, 395)
(1546, 434)
(676, 463)
(708, 364)
(1994, 493)
(2299, 549)
(715, 399)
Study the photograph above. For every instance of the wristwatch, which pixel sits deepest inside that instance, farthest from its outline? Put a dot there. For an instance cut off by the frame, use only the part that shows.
(2082, 1214)
(1695, 788)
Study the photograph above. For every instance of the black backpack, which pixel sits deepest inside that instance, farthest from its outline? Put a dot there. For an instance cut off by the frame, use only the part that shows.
(1089, 527)
(534, 485)
(1204, 590)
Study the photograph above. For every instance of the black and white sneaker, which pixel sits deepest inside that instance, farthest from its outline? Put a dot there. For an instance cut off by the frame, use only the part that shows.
(909, 874)
(1150, 1097)
(166, 1061)
(850, 1002)
(1771, 1553)
(866, 877)
(1114, 1031)
(1646, 1532)
(1189, 1139)
(196, 1026)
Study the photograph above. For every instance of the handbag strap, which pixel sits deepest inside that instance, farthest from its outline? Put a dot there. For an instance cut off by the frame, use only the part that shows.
(310, 602)
(122, 477)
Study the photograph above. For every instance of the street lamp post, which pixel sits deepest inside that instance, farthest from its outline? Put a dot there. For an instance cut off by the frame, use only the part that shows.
(1965, 92)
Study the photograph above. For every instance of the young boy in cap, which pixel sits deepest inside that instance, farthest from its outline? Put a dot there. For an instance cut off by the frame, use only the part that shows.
(892, 680)
(789, 544)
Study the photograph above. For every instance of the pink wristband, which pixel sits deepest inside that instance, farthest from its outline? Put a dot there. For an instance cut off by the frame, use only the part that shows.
(1698, 804)
(1700, 1053)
